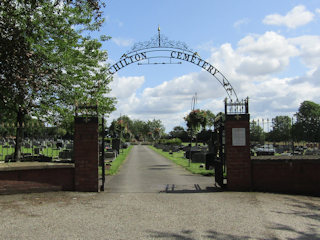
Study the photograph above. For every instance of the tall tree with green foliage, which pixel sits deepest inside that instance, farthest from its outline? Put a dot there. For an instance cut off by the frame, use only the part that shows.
(210, 118)
(281, 129)
(138, 129)
(256, 133)
(156, 128)
(179, 132)
(195, 121)
(48, 60)
(307, 126)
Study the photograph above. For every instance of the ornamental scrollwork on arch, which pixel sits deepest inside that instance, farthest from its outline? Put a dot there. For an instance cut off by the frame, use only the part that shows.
(159, 41)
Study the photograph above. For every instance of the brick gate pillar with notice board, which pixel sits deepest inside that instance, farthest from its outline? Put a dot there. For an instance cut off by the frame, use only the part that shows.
(237, 146)
(86, 154)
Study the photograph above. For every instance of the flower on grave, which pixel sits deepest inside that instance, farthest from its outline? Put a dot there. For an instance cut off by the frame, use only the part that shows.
(120, 125)
(196, 119)
(157, 132)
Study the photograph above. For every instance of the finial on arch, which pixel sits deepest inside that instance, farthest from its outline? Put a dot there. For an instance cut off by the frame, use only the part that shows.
(159, 35)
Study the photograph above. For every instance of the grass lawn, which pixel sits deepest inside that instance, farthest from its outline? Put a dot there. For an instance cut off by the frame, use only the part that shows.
(178, 158)
(5, 151)
(116, 164)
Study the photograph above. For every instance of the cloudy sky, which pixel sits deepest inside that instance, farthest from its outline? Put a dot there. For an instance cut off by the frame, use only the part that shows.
(269, 50)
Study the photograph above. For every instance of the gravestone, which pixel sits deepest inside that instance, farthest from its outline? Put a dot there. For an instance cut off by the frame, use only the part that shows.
(66, 155)
(36, 151)
(59, 145)
(116, 144)
(199, 157)
(69, 146)
(27, 145)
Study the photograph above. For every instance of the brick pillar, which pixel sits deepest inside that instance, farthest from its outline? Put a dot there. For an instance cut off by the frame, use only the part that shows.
(237, 147)
(86, 154)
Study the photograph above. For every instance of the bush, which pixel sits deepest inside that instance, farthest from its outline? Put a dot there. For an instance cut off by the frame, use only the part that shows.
(173, 141)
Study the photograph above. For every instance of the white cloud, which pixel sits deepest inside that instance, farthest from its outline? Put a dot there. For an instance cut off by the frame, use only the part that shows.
(206, 46)
(169, 101)
(125, 87)
(309, 49)
(252, 65)
(240, 22)
(255, 56)
(297, 17)
(318, 10)
(120, 24)
(121, 42)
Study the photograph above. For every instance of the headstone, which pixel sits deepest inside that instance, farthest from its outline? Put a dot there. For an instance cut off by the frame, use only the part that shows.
(36, 151)
(65, 154)
(27, 145)
(69, 146)
(110, 154)
(199, 157)
(59, 145)
(116, 144)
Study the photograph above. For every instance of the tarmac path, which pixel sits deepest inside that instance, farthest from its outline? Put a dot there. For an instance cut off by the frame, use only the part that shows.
(147, 172)
(151, 198)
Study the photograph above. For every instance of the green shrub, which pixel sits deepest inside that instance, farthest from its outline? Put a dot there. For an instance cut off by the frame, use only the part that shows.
(173, 141)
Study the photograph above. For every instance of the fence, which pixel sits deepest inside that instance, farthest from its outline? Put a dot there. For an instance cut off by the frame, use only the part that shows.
(39, 143)
(281, 136)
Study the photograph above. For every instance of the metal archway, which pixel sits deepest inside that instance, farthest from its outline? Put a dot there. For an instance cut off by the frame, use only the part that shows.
(160, 47)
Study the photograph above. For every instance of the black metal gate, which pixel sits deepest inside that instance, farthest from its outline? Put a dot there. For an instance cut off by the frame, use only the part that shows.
(219, 146)
(102, 155)
(216, 157)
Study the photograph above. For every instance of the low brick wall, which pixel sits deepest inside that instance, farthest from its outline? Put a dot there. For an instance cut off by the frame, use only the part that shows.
(61, 174)
(289, 174)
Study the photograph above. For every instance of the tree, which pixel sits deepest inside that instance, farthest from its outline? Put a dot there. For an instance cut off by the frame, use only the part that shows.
(156, 129)
(307, 126)
(196, 120)
(139, 129)
(281, 129)
(256, 133)
(179, 132)
(48, 61)
(136, 128)
(210, 118)
(121, 128)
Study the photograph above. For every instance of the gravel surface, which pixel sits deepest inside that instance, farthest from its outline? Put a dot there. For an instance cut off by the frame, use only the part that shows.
(159, 201)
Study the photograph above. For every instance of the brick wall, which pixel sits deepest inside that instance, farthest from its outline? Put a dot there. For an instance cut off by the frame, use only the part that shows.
(86, 154)
(63, 177)
(238, 157)
(300, 176)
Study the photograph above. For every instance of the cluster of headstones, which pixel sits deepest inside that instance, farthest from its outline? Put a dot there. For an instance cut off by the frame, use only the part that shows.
(39, 149)
(288, 149)
(198, 153)
(6, 143)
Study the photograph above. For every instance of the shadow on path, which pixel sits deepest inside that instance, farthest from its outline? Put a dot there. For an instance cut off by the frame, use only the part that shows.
(185, 235)
(310, 234)
(196, 188)
(300, 207)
